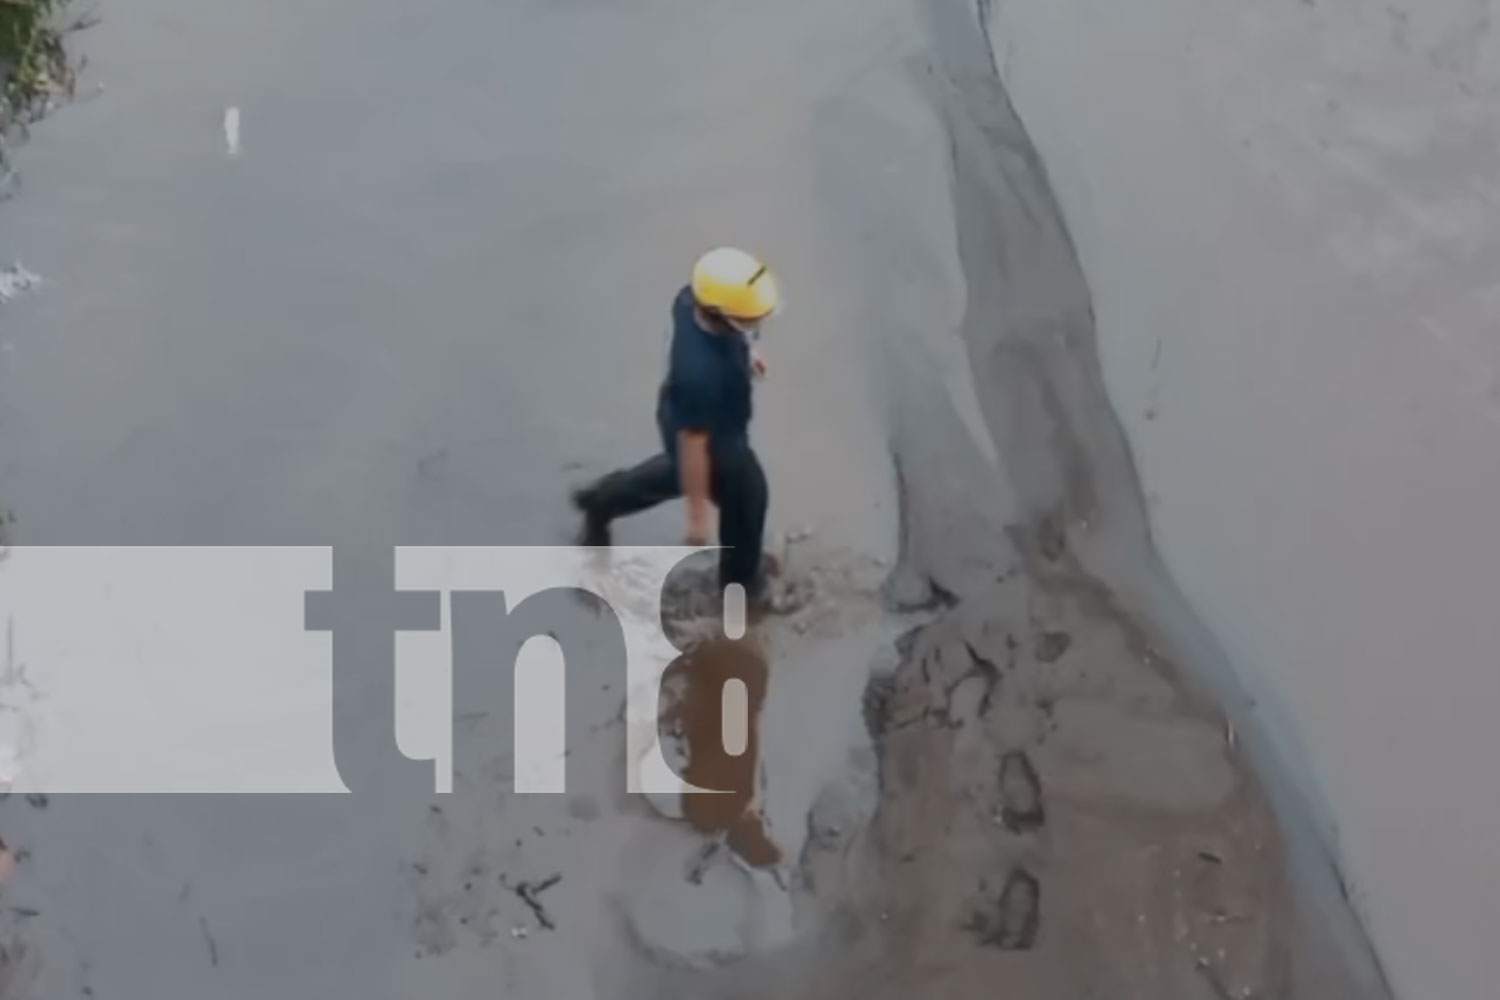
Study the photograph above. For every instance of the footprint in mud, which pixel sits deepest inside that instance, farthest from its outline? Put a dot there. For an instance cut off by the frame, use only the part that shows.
(1050, 646)
(1021, 807)
(1012, 924)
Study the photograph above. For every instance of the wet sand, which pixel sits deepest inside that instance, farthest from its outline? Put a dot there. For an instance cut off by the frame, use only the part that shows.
(1054, 806)
(1062, 809)
(1326, 507)
(1057, 813)
(1037, 800)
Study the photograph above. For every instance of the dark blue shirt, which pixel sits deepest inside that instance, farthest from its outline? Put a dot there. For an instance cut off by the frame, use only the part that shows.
(707, 387)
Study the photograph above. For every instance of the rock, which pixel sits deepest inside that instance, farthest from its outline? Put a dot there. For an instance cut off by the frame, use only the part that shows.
(906, 590)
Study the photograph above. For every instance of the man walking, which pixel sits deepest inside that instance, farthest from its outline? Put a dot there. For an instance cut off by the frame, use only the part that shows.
(703, 414)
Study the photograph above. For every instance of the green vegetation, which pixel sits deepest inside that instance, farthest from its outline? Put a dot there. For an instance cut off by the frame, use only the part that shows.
(32, 58)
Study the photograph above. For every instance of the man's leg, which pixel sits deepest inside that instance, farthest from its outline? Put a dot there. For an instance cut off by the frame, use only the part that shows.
(625, 492)
(742, 495)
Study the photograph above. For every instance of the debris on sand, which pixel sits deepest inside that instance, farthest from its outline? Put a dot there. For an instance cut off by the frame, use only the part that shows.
(528, 892)
(1210, 976)
(213, 945)
(18, 968)
(16, 279)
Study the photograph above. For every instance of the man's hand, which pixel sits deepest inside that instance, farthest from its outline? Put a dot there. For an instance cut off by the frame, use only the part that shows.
(696, 535)
(757, 363)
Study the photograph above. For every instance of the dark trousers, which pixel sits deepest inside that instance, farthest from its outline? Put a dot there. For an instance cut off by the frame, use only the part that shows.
(737, 486)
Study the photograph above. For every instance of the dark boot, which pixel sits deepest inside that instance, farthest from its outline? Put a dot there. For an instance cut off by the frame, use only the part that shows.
(595, 531)
(739, 486)
(622, 493)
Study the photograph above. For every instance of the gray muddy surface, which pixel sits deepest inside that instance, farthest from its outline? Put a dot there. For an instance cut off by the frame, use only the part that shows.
(420, 296)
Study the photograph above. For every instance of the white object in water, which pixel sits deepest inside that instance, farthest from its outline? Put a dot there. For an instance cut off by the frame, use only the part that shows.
(16, 279)
(232, 131)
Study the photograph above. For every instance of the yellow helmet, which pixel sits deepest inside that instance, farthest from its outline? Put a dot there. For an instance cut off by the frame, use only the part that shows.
(735, 284)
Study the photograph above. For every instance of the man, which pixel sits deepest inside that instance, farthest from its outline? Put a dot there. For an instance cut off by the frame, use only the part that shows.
(703, 414)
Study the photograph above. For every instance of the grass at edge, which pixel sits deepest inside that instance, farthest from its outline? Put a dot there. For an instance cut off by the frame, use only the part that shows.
(33, 60)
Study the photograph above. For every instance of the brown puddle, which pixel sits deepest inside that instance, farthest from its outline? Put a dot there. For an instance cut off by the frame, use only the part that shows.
(699, 677)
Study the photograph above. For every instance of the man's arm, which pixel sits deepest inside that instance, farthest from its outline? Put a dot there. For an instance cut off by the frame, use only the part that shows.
(693, 466)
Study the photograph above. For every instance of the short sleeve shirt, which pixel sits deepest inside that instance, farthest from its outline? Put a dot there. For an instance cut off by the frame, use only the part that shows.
(708, 382)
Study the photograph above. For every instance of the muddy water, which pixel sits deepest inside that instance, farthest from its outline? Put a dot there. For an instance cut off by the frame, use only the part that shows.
(699, 716)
